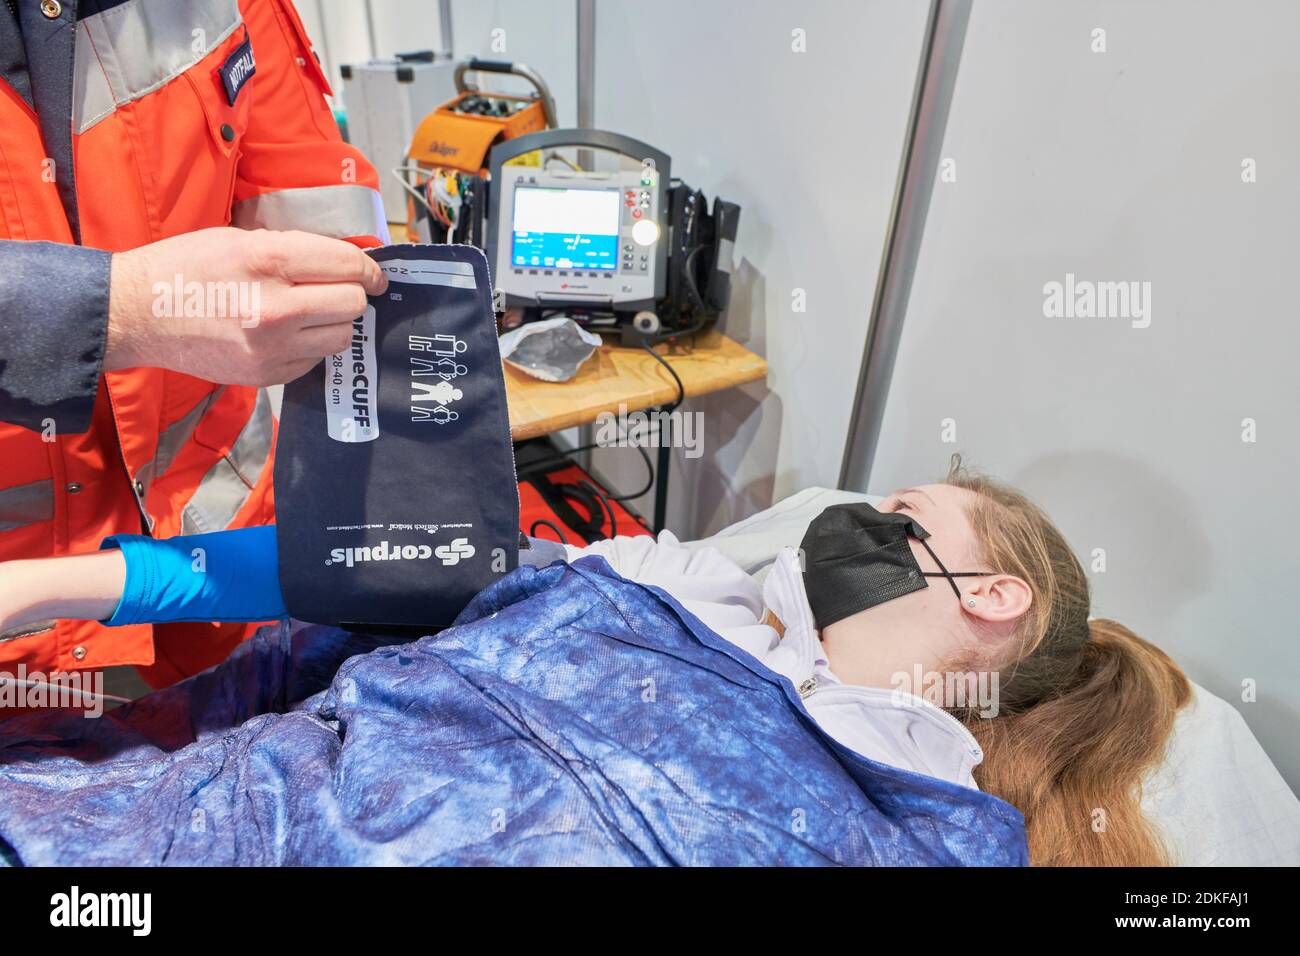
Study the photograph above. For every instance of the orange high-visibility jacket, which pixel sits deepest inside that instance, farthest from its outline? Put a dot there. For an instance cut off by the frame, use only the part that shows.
(174, 124)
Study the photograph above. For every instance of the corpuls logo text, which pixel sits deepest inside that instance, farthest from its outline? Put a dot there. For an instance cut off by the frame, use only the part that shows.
(449, 554)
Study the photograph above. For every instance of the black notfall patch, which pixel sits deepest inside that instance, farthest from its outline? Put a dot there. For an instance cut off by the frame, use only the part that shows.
(238, 70)
(395, 492)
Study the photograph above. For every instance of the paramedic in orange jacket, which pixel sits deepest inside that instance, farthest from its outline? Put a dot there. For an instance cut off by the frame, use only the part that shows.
(138, 330)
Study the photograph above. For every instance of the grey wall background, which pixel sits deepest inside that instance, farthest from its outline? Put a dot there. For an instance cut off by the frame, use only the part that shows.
(541, 33)
(537, 32)
(808, 143)
(1126, 165)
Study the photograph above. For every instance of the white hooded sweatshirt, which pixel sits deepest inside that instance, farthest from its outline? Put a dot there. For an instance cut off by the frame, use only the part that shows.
(887, 725)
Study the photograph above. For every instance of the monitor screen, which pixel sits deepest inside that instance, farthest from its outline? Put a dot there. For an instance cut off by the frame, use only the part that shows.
(558, 228)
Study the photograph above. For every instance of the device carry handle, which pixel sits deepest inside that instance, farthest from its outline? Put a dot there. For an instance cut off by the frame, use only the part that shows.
(417, 56)
(543, 92)
(507, 150)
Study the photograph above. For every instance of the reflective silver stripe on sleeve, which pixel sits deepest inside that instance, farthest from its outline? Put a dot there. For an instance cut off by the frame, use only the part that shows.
(26, 504)
(225, 487)
(132, 49)
(337, 211)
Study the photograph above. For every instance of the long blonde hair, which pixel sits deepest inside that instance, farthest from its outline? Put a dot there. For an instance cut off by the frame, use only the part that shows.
(1085, 707)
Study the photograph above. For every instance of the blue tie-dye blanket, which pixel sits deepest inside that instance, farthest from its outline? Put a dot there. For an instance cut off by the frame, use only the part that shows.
(569, 717)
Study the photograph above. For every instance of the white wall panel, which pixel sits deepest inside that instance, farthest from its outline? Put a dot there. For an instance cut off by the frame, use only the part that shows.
(1127, 165)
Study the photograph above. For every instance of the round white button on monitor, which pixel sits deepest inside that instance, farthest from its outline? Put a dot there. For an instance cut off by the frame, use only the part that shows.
(645, 232)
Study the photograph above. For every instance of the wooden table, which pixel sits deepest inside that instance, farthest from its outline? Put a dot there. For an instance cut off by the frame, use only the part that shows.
(631, 378)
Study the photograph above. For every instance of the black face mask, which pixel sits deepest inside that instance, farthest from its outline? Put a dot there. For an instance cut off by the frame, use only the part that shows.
(856, 557)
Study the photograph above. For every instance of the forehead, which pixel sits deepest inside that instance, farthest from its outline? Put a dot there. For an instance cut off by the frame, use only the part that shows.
(948, 496)
(941, 509)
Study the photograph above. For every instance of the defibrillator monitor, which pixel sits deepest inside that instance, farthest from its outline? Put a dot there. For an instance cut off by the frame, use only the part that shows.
(565, 228)
(589, 234)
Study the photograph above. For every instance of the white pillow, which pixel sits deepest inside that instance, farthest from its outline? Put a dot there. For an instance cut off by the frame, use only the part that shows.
(1216, 797)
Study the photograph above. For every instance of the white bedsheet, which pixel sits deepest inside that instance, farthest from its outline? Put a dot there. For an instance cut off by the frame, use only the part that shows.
(1217, 798)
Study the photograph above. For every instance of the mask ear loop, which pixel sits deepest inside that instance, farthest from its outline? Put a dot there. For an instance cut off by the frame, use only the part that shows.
(943, 572)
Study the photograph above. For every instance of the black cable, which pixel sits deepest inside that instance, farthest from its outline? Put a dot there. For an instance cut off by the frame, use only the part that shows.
(650, 468)
(613, 520)
(645, 457)
(532, 531)
(691, 331)
(681, 389)
(650, 481)
(688, 270)
(591, 526)
(573, 451)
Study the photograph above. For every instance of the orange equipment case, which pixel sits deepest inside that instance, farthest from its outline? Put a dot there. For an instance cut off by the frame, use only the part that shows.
(456, 137)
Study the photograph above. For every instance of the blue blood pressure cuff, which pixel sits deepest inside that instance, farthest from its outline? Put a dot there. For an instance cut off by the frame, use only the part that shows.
(395, 490)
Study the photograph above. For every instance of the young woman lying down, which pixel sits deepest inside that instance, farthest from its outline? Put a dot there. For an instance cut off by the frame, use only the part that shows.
(966, 577)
